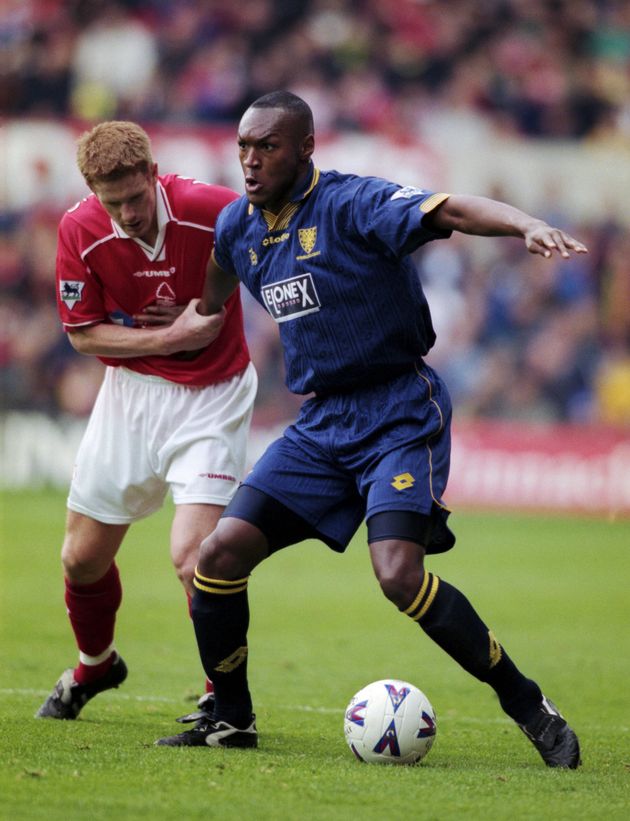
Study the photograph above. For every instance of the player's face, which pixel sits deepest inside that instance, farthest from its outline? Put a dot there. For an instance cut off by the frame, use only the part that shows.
(131, 202)
(274, 155)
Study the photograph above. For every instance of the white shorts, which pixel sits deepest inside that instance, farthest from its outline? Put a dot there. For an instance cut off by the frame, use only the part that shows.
(146, 434)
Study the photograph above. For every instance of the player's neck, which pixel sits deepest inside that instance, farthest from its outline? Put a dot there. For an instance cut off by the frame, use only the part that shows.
(150, 238)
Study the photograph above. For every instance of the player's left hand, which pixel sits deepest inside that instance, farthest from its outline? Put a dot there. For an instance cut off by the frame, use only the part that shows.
(544, 240)
(156, 315)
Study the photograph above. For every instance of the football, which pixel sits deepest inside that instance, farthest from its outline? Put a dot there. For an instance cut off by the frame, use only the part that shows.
(390, 722)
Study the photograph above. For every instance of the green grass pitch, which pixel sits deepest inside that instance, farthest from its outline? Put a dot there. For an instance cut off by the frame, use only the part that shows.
(554, 591)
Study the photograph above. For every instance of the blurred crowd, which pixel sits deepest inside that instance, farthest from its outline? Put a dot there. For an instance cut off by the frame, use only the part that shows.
(542, 68)
(519, 337)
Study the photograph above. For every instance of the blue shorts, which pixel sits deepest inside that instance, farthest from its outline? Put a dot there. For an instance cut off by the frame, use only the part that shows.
(360, 455)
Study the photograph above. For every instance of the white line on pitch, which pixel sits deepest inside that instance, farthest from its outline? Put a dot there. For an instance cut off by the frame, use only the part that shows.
(302, 708)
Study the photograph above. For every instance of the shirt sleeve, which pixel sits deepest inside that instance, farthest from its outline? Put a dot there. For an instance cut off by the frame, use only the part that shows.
(201, 202)
(222, 244)
(390, 216)
(79, 296)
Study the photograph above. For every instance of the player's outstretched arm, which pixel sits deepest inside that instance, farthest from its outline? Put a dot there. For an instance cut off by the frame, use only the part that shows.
(218, 287)
(490, 218)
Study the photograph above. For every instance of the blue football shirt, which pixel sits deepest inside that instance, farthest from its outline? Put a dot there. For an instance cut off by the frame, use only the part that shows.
(333, 270)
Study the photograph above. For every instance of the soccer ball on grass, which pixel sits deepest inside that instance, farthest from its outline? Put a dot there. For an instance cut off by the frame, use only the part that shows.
(390, 722)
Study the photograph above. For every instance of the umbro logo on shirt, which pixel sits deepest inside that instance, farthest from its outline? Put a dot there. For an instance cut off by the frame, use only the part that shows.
(291, 298)
(150, 274)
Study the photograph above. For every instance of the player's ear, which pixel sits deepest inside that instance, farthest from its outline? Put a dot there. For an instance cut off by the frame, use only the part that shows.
(307, 147)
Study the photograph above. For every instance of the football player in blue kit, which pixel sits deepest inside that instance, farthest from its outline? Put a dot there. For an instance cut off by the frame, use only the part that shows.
(327, 254)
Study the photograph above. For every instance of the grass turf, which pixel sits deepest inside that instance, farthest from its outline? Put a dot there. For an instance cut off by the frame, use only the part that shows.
(554, 590)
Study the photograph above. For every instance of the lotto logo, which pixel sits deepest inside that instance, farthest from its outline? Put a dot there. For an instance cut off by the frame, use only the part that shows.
(403, 481)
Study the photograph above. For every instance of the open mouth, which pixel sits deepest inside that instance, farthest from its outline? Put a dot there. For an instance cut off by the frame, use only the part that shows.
(252, 186)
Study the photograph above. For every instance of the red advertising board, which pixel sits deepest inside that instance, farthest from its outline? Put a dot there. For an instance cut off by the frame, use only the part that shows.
(556, 468)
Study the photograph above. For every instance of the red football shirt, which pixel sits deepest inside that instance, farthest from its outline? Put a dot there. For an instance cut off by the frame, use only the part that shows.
(105, 276)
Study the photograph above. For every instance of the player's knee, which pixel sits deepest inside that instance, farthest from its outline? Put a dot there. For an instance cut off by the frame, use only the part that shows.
(71, 563)
(184, 562)
(79, 566)
(400, 580)
(231, 551)
(398, 588)
(184, 555)
(219, 558)
(399, 569)
(89, 548)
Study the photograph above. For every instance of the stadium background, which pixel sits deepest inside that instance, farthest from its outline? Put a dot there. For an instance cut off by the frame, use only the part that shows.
(525, 100)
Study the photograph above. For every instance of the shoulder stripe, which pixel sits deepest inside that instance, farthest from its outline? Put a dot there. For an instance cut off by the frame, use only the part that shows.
(85, 252)
(167, 205)
(314, 182)
(194, 225)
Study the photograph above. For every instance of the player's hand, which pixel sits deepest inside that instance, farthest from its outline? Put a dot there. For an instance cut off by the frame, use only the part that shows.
(155, 316)
(544, 240)
(192, 331)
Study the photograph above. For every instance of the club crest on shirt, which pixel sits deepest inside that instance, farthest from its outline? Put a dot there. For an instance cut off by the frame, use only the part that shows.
(308, 238)
(291, 298)
(70, 291)
(165, 295)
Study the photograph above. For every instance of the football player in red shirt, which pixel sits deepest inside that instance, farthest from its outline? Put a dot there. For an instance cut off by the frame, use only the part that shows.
(174, 408)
